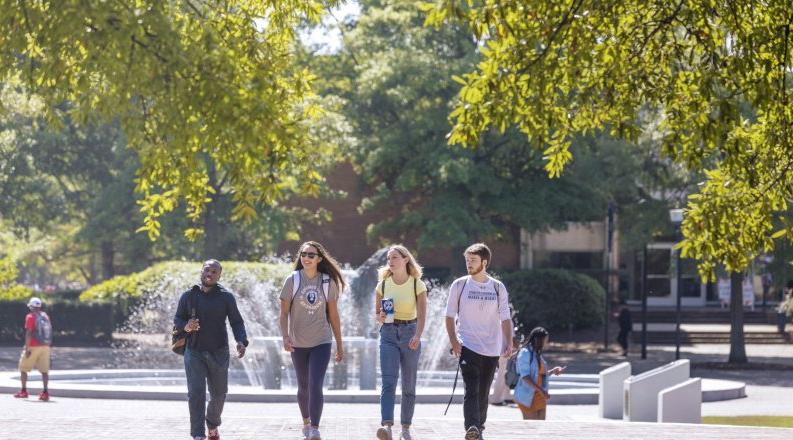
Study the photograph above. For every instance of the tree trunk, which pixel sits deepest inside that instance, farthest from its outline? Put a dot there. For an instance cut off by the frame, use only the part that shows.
(211, 226)
(737, 345)
(108, 252)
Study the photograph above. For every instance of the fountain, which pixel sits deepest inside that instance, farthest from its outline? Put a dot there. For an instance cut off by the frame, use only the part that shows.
(144, 367)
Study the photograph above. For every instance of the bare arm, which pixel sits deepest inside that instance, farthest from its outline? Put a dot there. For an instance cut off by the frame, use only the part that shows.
(335, 325)
(421, 319)
(452, 333)
(28, 338)
(283, 323)
(506, 331)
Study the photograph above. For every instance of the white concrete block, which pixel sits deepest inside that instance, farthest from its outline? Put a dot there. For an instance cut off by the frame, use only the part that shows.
(681, 403)
(641, 391)
(611, 387)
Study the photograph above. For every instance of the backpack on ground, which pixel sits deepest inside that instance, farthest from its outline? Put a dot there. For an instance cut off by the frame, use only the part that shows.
(43, 328)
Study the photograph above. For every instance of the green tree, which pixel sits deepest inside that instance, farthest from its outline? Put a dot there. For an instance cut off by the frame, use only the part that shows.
(391, 82)
(717, 72)
(197, 87)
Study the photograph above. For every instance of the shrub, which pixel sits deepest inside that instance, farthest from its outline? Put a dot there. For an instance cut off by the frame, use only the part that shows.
(554, 299)
(72, 322)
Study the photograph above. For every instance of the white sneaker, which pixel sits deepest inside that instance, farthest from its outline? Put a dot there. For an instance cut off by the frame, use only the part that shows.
(199, 437)
(405, 434)
(313, 434)
(384, 433)
(306, 430)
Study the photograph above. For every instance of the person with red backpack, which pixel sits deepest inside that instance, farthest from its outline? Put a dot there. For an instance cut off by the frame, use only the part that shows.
(36, 352)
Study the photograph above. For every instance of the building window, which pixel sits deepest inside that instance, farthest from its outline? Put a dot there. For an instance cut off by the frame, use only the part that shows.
(568, 260)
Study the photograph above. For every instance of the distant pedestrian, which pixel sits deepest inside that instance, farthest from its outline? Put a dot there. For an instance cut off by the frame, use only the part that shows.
(626, 326)
(531, 393)
(36, 352)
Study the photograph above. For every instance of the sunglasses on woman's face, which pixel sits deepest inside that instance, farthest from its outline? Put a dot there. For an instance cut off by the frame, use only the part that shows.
(309, 255)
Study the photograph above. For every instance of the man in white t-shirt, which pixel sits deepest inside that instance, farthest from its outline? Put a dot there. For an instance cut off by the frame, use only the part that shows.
(483, 332)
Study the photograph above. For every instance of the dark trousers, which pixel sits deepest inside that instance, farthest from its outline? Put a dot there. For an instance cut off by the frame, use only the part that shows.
(206, 369)
(622, 338)
(310, 367)
(478, 374)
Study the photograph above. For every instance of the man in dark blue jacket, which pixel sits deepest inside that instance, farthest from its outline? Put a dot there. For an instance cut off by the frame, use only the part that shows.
(202, 313)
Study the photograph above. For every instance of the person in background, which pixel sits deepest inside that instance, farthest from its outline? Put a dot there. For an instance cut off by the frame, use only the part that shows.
(36, 352)
(531, 393)
(626, 326)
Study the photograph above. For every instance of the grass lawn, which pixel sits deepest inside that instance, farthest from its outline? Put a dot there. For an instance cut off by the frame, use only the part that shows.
(769, 421)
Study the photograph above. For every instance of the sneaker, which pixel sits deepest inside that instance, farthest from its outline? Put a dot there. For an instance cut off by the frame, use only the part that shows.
(44, 396)
(213, 434)
(313, 434)
(472, 433)
(199, 437)
(306, 430)
(405, 434)
(21, 395)
(384, 433)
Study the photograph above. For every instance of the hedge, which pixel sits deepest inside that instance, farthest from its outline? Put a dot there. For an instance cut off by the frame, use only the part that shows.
(554, 299)
(72, 322)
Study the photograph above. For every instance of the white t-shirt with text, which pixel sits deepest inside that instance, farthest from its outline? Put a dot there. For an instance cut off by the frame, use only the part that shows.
(482, 308)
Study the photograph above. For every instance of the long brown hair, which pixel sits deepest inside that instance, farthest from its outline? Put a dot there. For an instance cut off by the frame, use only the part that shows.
(328, 265)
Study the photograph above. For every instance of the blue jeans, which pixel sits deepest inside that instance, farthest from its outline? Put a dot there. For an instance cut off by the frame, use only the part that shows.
(395, 355)
(206, 368)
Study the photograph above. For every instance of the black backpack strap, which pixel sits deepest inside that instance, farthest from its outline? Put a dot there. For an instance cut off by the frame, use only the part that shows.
(415, 292)
(382, 288)
(462, 289)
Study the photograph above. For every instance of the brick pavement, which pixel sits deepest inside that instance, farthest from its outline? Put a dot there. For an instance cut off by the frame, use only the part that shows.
(64, 419)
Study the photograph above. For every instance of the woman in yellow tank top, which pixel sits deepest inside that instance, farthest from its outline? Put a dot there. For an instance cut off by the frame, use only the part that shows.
(400, 340)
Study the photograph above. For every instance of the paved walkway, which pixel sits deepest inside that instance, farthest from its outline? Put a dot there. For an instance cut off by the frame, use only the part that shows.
(64, 419)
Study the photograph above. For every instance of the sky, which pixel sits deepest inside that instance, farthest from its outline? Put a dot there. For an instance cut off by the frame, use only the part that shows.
(326, 38)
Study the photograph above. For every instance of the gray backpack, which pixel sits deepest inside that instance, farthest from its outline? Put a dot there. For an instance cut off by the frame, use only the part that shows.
(43, 329)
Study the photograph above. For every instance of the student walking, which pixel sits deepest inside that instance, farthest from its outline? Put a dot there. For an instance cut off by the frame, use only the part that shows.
(482, 333)
(400, 337)
(36, 352)
(531, 392)
(202, 313)
(309, 318)
(626, 326)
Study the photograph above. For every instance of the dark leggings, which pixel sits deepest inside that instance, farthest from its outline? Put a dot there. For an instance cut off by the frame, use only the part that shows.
(310, 366)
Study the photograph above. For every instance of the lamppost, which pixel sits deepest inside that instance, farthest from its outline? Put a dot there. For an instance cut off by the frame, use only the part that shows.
(676, 216)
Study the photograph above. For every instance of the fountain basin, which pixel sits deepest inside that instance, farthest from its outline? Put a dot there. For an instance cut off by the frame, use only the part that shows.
(141, 384)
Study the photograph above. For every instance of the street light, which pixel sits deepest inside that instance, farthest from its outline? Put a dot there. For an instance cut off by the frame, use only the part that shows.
(676, 216)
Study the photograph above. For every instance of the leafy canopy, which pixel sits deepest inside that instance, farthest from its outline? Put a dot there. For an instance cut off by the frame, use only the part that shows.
(193, 84)
(716, 72)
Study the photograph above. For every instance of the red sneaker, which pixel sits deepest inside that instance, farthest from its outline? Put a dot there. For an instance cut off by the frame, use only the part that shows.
(44, 396)
(21, 395)
(213, 434)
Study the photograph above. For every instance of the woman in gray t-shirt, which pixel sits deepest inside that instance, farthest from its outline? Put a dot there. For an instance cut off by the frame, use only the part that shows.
(309, 318)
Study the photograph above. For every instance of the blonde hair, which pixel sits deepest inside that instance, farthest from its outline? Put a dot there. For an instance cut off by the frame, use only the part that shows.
(412, 267)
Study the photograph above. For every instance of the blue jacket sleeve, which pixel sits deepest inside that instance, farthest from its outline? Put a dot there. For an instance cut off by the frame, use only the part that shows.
(181, 316)
(236, 321)
(525, 365)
